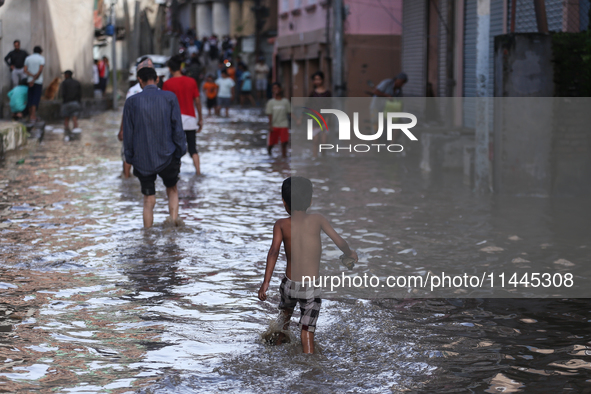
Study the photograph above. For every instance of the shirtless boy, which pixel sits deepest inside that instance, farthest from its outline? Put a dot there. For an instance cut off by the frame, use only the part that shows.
(303, 248)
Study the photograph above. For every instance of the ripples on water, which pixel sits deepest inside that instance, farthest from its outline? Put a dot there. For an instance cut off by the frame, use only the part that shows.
(90, 302)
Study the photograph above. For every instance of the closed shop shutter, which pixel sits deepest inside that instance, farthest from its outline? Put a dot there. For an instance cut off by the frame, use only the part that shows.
(414, 46)
(469, 88)
(525, 16)
(442, 47)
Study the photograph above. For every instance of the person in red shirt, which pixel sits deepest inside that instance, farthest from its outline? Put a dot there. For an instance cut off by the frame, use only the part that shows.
(102, 68)
(187, 93)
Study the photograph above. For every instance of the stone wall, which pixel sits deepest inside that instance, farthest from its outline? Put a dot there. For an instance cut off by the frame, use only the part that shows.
(12, 136)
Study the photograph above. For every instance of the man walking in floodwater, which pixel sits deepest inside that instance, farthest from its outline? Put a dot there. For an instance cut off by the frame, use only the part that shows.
(154, 142)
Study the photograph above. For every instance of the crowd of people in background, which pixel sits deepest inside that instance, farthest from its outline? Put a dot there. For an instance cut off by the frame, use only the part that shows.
(231, 82)
(26, 73)
(101, 70)
(199, 54)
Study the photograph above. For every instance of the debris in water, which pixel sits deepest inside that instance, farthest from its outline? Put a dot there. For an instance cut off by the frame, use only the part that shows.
(491, 249)
(564, 262)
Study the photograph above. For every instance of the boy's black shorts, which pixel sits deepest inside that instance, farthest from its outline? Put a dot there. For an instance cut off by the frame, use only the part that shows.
(212, 103)
(169, 175)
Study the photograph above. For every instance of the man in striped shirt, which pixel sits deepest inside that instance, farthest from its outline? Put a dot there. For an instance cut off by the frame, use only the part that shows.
(154, 142)
(135, 89)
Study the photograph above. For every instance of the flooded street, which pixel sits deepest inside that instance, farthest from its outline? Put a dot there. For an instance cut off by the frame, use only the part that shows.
(90, 302)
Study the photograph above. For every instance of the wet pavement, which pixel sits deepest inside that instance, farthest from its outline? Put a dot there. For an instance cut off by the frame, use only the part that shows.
(91, 303)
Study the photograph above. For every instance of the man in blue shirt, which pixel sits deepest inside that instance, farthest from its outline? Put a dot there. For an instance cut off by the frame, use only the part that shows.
(154, 142)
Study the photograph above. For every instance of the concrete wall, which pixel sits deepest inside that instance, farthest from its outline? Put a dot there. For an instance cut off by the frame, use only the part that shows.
(571, 146)
(13, 135)
(69, 35)
(16, 25)
(64, 29)
(523, 65)
(524, 115)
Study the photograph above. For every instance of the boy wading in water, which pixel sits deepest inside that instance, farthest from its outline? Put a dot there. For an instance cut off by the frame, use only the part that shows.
(302, 249)
(278, 109)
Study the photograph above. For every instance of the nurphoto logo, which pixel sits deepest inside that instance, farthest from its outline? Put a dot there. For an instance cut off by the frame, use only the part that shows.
(344, 125)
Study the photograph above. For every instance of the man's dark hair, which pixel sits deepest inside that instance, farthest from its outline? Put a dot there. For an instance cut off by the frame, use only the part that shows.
(318, 73)
(174, 65)
(68, 73)
(276, 84)
(37, 49)
(147, 74)
(297, 193)
(15, 41)
(24, 82)
(225, 72)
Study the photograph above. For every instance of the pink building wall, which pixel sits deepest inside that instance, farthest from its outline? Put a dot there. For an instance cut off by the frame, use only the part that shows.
(369, 17)
(374, 17)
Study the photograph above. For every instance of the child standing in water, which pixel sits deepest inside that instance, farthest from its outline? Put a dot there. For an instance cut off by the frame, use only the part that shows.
(303, 249)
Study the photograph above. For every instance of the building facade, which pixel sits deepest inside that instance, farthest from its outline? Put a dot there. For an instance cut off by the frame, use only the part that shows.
(233, 18)
(429, 24)
(372, 37)
(64, 29)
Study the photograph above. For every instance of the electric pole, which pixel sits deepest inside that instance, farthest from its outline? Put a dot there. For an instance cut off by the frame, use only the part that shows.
(338, 61)
(481, 151)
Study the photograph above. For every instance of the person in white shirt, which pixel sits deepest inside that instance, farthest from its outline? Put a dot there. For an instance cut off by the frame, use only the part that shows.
(225, 91)
(34, 70)
(96, 80)
(261, 73)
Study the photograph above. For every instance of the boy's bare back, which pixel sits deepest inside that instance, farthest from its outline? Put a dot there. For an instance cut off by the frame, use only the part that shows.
(302, 243)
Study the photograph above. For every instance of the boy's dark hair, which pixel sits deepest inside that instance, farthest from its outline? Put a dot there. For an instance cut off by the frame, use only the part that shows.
(318, 73)
(147, 74)
(24, 82)
(15, 41)
(225, 72)
(297, 193)
(37, 49)
(174, 65)
(276, 83)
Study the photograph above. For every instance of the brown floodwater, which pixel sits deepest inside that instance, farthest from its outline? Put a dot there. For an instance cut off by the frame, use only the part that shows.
(92, 303)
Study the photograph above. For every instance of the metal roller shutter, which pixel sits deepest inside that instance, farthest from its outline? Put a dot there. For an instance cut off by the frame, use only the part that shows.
(414, 46)
(525, 16)
(469, 88)
(442, 4)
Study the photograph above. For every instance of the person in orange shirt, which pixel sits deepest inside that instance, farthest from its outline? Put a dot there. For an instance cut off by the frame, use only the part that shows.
(211, 92)
(231, 70)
